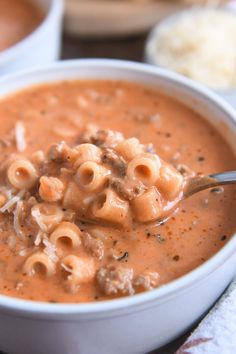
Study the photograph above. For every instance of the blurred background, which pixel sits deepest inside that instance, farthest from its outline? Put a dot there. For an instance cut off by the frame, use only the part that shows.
(116, 28)
(196, 38)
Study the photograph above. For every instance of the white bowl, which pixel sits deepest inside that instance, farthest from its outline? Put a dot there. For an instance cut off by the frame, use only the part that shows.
(102, 18)
(151, 55)
(39, 48)
(142, 322)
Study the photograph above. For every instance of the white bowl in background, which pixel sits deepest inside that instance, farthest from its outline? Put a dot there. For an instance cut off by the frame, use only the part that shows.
(151, 55)
(142, 322)
(102, 18)
(39, 48)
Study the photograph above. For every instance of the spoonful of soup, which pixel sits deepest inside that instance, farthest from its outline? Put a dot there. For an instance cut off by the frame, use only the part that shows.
(103, 179)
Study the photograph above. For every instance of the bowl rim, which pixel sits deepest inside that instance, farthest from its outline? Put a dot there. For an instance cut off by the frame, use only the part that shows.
(164, 292)
(55, 11)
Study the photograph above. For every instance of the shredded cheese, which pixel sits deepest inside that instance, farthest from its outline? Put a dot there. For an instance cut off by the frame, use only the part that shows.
(24, 252)
(67, 269)
(16, 222)
(50, 250)
(88, 200)
(9, 204)
(200, 44)
(20, 136)
(37, 217)
(38, 238)
(11, 241)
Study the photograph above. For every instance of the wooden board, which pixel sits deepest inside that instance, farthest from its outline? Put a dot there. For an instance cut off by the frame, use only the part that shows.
(99, 18)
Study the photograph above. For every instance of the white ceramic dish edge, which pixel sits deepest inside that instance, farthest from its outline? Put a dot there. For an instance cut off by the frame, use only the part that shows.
(160, 314)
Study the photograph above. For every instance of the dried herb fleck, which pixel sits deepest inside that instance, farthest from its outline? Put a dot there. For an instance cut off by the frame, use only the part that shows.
(176, 258)
(223, 238)
(201, 158)
(124, 256)
(217, 190)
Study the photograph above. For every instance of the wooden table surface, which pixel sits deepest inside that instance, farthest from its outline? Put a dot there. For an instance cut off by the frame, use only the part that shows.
(129, 49)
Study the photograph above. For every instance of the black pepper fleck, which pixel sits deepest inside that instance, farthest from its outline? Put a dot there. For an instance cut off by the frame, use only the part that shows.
(176, 258)
(124, 256)
(217, 190)
(201, 158)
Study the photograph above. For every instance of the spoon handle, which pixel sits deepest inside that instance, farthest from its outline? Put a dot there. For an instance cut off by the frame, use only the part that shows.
(224, 177)
(198, 184)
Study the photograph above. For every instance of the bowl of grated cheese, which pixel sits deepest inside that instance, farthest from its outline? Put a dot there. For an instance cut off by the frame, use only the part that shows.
(199, 43)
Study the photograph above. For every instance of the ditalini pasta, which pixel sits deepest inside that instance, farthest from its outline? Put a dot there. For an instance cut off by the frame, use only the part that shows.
(91, 176)
(76, 184)
(22, 174)
(87, 152)
(145, 167)
(46, 215)
(66, 231)
(109, 207)
(39, 262)
(79, 270)
(85, 218)
(148, 206)
(130, 148)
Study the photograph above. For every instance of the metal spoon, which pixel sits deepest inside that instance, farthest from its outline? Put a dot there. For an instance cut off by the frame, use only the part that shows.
(197, 184)
(194, 185)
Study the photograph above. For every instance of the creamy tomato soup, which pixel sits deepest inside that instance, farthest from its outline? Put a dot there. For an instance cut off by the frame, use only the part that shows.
(18, 18)
(88, 171)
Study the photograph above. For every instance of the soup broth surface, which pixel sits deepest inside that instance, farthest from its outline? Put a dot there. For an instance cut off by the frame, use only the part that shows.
(196, 231)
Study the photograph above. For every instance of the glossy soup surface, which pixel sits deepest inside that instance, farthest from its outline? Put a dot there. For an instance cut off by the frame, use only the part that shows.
(198, 229)
(18, 18)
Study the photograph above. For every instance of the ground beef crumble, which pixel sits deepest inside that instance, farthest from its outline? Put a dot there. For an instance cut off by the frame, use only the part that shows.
(104, 138)
(127, 189)
(113, 280)
(147, 281)
(117, 162)
(93, 245)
